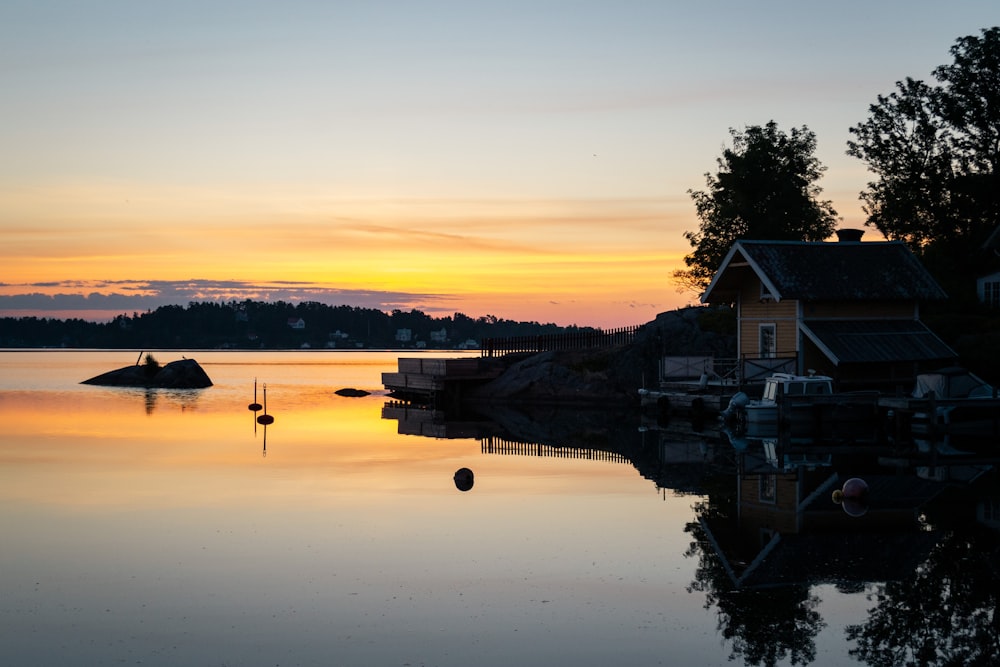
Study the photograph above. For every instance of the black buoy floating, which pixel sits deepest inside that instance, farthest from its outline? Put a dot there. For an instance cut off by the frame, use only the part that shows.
(265, 418)
(464, 479)
(255, 406)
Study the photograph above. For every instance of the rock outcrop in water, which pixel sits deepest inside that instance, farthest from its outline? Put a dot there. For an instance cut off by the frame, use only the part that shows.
(180, 374)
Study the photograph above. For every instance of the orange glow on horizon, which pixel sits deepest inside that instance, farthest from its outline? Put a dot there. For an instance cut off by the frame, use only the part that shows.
(516, 259)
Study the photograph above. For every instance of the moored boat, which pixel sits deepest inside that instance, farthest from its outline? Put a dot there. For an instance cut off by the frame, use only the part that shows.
(783, 397)
(959, 404)
(803, 407)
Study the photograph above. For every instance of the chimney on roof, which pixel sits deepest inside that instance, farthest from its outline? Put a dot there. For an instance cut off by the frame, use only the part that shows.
(850, 235)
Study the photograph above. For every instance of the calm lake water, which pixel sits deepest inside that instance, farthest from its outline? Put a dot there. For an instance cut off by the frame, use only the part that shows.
(169, 528)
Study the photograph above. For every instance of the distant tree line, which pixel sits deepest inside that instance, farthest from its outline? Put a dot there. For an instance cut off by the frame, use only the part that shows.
(259, 325)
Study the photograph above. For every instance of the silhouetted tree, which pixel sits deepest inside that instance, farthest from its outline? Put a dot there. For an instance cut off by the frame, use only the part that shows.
(255, 324)
(765, 189)
(935, 152)
(946, 613)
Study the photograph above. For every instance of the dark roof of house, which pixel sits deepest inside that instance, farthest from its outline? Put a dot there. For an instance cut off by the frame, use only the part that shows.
(875, 341)
(823, 271)
(993, 240)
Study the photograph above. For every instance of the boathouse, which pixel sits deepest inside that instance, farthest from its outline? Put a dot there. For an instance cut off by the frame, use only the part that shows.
(848, 309)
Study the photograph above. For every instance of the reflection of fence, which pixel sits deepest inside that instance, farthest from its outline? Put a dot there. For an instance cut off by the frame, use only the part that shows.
(576, 340)
(495, 445)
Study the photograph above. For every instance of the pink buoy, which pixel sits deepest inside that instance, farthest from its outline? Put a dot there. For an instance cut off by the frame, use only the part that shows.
(855, 488)
(852, 496)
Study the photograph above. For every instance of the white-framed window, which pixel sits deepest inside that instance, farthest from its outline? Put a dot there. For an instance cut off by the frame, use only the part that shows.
(991, 294)
(768, 488)
(767, 347)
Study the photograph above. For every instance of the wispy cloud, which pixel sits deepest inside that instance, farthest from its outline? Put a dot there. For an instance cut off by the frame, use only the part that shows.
(116, 297)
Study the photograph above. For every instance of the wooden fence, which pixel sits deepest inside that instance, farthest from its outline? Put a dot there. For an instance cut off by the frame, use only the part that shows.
(576, 340)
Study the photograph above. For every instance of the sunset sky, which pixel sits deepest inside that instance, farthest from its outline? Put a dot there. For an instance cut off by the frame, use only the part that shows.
(529, 160)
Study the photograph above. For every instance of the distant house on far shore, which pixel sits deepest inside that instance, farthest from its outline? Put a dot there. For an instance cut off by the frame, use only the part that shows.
(296, 323)
(847, 309)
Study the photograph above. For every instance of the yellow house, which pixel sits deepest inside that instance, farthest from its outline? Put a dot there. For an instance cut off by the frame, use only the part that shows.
(848, 309)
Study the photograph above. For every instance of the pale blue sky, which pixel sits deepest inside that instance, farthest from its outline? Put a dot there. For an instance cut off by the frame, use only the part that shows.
(428, 112)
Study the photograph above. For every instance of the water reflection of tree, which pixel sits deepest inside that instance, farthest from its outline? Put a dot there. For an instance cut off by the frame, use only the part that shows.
(764, 626)
(947, 613)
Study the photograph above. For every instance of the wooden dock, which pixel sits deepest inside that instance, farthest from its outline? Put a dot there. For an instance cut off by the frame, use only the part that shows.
(432, 380)
(901, 418)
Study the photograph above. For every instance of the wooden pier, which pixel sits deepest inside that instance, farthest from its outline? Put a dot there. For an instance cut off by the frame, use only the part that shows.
(901, 419)
(432, 380)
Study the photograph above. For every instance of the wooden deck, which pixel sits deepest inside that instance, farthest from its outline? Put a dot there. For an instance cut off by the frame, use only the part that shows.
(432, 379)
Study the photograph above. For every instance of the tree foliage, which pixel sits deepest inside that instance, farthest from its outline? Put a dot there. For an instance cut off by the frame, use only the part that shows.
(259, 325)
(946, 612)
(935, 152)
(765, 189)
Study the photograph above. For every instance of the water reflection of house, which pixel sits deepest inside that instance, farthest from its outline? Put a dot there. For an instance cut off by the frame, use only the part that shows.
(787, 529)
(850, 310)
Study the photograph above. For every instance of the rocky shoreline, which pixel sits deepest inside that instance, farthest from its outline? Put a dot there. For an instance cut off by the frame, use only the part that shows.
(611, 376)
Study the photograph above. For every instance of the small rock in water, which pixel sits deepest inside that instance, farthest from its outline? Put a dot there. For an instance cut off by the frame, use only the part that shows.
(353, 393)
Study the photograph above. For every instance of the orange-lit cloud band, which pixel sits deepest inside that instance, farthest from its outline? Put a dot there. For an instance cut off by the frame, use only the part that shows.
(101, 252)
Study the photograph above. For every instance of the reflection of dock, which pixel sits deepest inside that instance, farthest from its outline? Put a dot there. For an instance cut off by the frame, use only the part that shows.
(420, 420)
(496, 445)
(975, 416)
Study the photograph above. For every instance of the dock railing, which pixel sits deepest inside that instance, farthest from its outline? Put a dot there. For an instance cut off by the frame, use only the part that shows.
(575, 340)
(757, 369)
(723, 370)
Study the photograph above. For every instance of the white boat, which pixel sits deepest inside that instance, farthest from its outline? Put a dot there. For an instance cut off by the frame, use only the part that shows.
(805, 409)
(785, 389)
